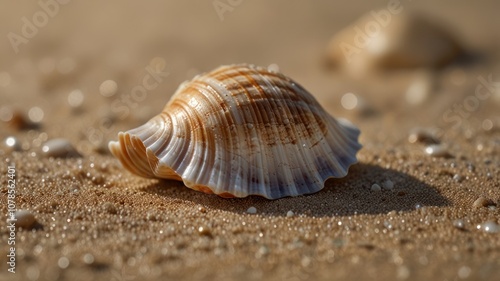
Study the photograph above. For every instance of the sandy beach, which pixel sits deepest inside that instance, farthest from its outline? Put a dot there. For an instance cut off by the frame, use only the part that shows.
(422, 203)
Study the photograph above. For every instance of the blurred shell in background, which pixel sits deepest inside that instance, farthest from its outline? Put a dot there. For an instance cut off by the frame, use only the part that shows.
(385, 40)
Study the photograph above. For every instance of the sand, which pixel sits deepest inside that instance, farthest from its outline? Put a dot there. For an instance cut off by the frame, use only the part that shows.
(96, 221)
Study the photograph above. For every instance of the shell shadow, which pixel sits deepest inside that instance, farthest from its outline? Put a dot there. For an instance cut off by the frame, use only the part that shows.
(340, 197)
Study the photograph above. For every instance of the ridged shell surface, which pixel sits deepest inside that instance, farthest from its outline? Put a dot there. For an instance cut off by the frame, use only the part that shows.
(241, 130)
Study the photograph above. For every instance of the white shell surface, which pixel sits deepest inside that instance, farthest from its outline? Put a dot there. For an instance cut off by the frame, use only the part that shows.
(241, 130)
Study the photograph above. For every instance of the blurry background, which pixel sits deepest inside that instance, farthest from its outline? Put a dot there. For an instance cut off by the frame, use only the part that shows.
(56, 56)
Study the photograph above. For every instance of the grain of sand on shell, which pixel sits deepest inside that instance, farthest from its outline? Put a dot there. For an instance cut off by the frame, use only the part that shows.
(429, 218)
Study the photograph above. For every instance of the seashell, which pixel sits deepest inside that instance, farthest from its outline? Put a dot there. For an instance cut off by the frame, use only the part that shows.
(382, 40)
(241, 130)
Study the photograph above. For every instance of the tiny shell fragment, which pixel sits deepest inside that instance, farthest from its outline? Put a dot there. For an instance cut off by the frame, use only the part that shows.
(482, 202)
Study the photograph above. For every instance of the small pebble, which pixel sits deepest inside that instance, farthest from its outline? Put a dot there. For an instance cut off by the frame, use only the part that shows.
(204, 231)
(108, 88)
(422, 136)
(290, 213)
(482, 202)
(252, 210)
(459, 224)
(109, 208)
(388, 184)
(151, 216)
(25, 219)
(388, 225)
(437, 150)
(457, 178)
(376, 187)
(489, 227)
(59, 148)
(471, 167)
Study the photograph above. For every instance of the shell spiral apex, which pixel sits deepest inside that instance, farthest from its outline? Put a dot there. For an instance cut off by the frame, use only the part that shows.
(241, 130)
